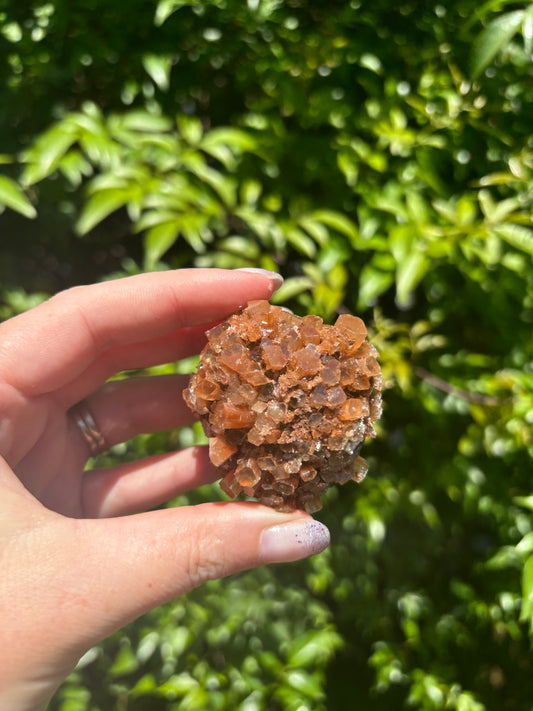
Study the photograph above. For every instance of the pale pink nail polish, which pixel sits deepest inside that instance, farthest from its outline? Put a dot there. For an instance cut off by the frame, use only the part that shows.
(276, 278)
(293, 541)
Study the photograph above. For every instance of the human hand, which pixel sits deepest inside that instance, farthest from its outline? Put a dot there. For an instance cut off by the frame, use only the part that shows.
(78, 560)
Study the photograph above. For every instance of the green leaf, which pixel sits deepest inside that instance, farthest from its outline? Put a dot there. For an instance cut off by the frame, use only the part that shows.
(486, 203)
(226, 144)
(525, 546)
(12, 196)
(290, 288)
(195, 231)
(349, 167)
(526, 613)
(338, 222)
(372, 283)
(525, 501)
(145, 121)
(505, 557)
(178, 685)
(190, 128)
(493, 39)
(75, 167)
(300, 241)
(409, 273)
(157, 241)
(263, 225)
(318, 231)
(338, 277)
(313, 648)
(125, 662)
(166, 8)
(504, 208)
(151, 218)
(223, 185)
(417, 208)
(527, 31)
(234, 138)
(145, 686)
(305, 683)
(158, 67)
(517, 236)
(240, 246)
(251, 191)
(99, 206)
(43, 157)
(401, 241)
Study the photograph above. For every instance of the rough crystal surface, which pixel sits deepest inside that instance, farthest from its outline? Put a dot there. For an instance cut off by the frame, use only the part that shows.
(287, 403)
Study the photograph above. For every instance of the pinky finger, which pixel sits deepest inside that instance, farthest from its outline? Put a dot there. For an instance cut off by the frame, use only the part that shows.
(138, 486)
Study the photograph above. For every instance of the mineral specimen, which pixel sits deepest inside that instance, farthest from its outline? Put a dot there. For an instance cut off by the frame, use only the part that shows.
(287, 403)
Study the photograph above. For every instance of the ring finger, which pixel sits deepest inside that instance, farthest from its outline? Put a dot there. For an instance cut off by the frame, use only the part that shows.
(122, 409)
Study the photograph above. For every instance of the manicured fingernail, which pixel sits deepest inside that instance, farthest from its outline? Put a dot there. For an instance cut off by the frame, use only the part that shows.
(292, 541)
(276, 278)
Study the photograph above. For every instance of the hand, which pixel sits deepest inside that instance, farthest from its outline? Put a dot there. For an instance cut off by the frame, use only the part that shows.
(77, 560)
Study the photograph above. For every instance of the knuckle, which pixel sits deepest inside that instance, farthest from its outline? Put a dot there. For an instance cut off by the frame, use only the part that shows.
(206, 561)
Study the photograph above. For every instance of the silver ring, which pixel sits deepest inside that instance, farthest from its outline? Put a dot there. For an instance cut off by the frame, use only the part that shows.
(95, 440)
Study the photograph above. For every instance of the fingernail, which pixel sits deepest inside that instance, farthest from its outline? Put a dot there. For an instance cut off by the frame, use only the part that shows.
(276, 278)
(293, 541)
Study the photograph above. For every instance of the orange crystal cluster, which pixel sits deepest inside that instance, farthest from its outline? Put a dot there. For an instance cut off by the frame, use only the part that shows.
(287, 403)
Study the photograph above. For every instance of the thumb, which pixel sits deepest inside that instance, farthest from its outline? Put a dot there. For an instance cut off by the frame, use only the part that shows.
(131, 564)
(68, 583)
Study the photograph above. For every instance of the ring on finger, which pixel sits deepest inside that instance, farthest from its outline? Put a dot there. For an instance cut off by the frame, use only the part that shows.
(83, 417)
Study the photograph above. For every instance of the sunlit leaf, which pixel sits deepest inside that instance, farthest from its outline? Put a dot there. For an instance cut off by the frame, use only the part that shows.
(158, 240)
(409, 273)
(290, 288)
(222, 184)
(75, 167)
(492, 39)
(526, 613)
(233, 137)
(145, 121)
(190, 128)
(251, 191)
(372, 283)
(517, 236)
(316, 228)
(307, 684)
(312, 647)
(166, 8)
(158, 67)
(12, 196)
(151, 218)
(349, 167)
(240, 246)
(43, 158)
(527, 31)
(338, 222)
(99, 206)
(300, 241)
(125, 662)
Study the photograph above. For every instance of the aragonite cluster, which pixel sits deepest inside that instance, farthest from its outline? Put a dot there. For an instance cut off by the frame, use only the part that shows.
(287, 403)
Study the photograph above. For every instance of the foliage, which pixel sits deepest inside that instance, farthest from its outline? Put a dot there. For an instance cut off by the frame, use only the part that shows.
(380, 156)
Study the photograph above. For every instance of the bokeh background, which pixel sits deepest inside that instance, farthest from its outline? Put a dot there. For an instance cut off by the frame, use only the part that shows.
(379, 155)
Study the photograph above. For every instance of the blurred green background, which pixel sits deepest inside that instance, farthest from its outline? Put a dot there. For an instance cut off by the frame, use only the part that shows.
(380, 156)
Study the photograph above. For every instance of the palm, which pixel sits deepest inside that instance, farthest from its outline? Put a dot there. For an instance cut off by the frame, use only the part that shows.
(52, 469)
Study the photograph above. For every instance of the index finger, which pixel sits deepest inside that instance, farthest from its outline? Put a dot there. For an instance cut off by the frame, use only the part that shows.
(45, 348)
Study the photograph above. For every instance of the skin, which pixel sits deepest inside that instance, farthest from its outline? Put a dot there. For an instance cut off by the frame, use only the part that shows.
(78, 557)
